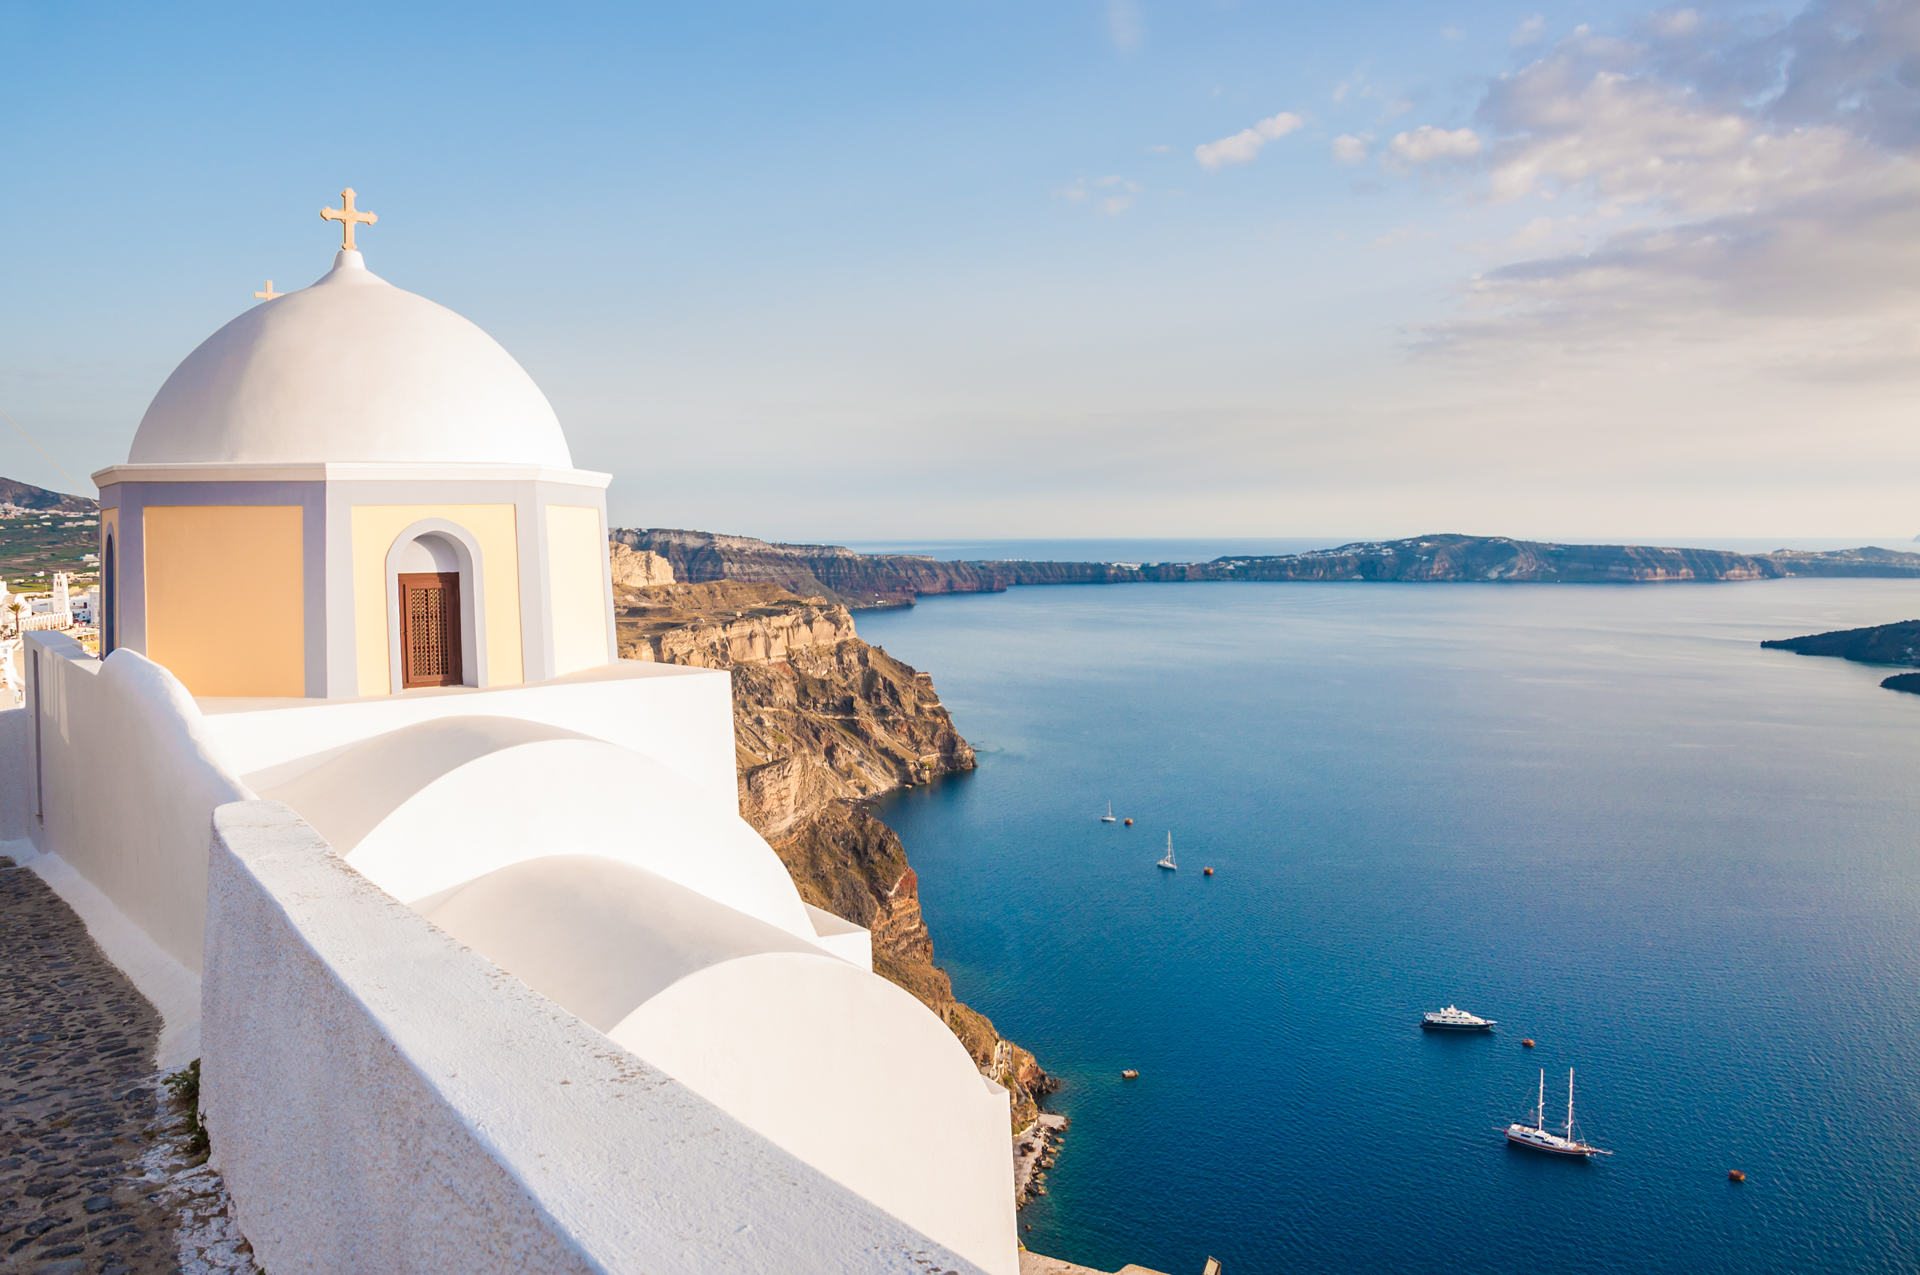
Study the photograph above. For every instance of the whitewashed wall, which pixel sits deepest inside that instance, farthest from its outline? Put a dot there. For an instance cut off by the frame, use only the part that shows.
(681, 717)
(14, 777)
(506, 1134)
(127, 785)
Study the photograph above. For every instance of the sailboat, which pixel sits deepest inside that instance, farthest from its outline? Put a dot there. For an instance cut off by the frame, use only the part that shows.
(1108, 817)
(1536, 1135)
(1168, 862)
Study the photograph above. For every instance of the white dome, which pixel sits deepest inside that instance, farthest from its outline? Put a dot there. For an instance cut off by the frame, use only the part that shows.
(351, 369)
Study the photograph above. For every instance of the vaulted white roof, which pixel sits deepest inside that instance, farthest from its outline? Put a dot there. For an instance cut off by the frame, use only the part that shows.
(350, 370)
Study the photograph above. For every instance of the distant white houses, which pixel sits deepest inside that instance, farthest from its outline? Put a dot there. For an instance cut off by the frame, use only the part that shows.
(52, 612)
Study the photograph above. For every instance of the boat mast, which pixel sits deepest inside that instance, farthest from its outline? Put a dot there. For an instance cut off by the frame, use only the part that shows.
(1569, 1104)
(1540, 1111)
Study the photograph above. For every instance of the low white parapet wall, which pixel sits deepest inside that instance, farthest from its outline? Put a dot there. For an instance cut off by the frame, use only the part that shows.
(15, 763)
(121, 785)
(680, 717)
(381, 1098)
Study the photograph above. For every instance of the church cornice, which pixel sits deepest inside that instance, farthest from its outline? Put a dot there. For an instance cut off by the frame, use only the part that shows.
(333, 471)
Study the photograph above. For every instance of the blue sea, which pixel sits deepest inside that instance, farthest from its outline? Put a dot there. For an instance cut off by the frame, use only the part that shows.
(1687, 867)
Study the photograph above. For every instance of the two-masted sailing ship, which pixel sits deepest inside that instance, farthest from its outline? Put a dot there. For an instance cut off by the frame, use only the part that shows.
(1538, 1137)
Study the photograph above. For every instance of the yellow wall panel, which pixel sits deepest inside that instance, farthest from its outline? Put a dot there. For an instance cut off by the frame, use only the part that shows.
(376, 527)
(226, 597)
(577, 573)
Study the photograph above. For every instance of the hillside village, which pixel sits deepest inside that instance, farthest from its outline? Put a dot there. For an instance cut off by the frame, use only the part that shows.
(49, 573)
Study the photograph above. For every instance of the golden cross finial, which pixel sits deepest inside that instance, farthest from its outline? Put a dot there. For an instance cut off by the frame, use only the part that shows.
(269, 294)
(347, 215)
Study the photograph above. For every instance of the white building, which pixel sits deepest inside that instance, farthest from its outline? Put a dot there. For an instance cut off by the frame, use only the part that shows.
(485, 969)
(55, 611)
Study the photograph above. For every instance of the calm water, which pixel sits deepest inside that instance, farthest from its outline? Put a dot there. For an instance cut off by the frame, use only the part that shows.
(1603, 816)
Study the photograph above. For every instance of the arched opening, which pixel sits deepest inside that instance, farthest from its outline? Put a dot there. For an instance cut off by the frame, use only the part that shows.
(109, 619)
(436, 630)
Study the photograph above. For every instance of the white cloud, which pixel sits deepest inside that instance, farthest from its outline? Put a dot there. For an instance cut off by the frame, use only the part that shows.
(1534, 235)
(1427, 143)
(1569, 127)
(1529, 32)
(1126, 25)
(1741, 196)
(1675, 23)
(1349, 150)
(1244, 145)
(1110, 196)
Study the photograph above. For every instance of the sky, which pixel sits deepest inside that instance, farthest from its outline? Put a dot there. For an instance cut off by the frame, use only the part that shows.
(1080, 268)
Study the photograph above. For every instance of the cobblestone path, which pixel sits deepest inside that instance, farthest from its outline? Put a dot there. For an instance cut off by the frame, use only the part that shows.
(78, 1104)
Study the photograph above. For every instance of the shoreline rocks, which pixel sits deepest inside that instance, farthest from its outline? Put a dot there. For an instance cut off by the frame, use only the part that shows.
(1035, 1148)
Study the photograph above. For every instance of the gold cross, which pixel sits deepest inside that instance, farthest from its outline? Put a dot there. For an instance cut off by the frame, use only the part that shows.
(269, 294)
(347, 215)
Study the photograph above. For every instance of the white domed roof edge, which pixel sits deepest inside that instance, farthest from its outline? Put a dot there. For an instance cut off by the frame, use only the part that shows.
(351, 370)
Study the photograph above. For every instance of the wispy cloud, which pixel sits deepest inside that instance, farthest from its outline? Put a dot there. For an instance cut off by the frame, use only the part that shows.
(1740, 186)
(1427, 143)
(1349, 150)
(1126, 24)
(1675, 22)
(1109, 196)
(1530, 32)
(1243, 146)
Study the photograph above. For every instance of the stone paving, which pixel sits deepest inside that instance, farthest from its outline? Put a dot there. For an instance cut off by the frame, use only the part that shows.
(95, 1172)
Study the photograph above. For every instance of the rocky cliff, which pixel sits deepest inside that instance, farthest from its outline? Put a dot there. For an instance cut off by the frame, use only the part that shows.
(823, 723)
(867, 580)
(1897, 644)
(637, 568)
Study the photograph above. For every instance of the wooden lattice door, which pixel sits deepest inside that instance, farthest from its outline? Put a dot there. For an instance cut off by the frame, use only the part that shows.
(430, 629)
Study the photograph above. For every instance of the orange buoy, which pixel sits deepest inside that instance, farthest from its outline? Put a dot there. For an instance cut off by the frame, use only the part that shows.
(1528, 1042)
(1206, 872)
(1129, 823)
(1129, 1074)
(1734, 1175)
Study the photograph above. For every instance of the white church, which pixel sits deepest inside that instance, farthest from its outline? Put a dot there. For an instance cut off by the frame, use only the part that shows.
(485, 970)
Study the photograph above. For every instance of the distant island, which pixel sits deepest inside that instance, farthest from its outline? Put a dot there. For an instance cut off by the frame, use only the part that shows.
(886, 579)
(1895, 644)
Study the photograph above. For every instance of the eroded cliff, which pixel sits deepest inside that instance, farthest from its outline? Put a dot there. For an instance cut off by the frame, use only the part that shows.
(823, 723)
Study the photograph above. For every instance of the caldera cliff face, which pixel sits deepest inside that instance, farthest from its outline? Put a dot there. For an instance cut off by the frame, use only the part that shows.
(823, 723)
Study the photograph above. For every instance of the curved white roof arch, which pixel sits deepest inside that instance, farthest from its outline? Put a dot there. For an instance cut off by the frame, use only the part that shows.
(771, 1031)
(428, 808)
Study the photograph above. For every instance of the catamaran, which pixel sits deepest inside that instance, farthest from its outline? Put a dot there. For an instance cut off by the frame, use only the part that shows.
(1168, 862)
(1537, 1137)
(1108, 817)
